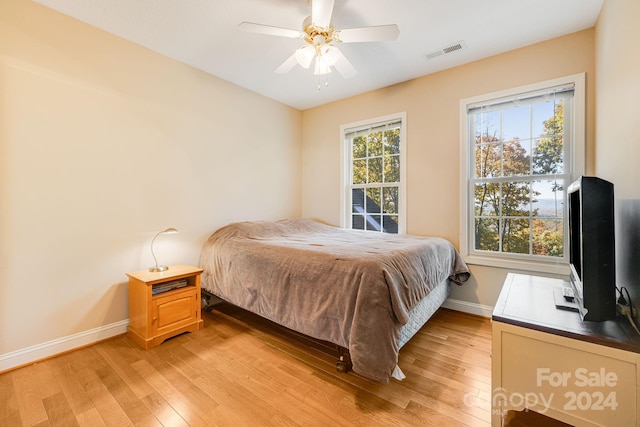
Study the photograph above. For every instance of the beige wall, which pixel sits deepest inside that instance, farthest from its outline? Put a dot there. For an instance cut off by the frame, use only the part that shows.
(618, 128)
(104, 143)
(433, 140)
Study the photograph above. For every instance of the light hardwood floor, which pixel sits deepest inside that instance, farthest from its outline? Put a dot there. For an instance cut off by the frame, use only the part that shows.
(239, 370)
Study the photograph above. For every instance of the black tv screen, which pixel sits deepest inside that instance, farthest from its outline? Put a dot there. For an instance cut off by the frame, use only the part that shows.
(592, 247)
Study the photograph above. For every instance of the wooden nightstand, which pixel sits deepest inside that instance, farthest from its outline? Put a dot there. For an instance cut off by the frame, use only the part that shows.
(154, 314)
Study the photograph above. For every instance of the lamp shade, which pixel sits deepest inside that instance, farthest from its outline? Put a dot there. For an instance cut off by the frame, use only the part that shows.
(158, 268)
(305, 55)
(322, 67)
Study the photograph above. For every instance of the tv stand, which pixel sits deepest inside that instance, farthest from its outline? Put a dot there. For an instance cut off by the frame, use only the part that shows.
(550, 361)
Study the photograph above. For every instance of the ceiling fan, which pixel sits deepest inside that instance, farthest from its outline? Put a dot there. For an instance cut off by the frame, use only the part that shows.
(320, 36)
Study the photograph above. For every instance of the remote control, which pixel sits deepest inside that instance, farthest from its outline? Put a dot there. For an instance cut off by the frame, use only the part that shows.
(568, 294)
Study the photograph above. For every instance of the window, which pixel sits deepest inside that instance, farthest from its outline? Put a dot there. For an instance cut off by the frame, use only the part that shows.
(521, 149)
(373, 175)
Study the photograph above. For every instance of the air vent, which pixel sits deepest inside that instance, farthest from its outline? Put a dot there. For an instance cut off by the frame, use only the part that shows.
(455, 47)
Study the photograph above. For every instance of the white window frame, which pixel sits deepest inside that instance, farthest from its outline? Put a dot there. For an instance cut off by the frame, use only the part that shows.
(576, 163)
(346, 168)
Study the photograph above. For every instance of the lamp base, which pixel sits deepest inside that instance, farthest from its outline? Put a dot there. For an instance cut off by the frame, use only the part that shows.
(158, 268)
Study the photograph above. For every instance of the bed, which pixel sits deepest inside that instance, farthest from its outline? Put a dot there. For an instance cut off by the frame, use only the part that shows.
(366, 292)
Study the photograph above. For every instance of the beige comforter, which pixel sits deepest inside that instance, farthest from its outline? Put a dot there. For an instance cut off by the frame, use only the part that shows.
(350, 287)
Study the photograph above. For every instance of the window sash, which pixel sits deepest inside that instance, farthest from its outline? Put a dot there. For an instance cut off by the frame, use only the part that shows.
(564, 179)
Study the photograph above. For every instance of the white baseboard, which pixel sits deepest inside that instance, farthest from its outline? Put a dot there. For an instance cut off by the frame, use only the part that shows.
(468, 307)
(61, 345)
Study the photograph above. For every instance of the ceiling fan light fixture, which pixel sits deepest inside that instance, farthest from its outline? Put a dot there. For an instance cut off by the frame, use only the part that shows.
(322, 67)
(330, 54)
(319, 40)
(305, 55)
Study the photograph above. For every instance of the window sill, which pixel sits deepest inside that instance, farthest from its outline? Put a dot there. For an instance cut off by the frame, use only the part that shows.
(558, 268)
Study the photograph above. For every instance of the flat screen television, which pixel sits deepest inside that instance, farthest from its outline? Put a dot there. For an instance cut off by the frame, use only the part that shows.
(592, 247)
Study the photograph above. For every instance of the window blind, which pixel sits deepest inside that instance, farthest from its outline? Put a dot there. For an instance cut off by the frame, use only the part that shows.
(366, 130)
(549, 94)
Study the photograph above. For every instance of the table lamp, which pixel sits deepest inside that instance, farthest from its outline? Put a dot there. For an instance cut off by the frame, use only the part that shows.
(157, 267)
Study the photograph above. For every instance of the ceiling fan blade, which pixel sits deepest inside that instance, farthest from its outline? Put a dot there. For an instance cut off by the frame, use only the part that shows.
(321, 11)
(272, 31)
(287, 65)
(342, 64)
(369, 34)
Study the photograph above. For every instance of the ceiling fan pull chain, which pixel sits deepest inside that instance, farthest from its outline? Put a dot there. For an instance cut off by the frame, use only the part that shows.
(326, 82)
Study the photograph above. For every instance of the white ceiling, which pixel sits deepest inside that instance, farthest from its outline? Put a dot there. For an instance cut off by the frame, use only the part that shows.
(205, 35)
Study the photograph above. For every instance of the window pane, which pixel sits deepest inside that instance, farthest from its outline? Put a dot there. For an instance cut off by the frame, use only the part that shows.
(487, 234)
(515, 158)
(548, 118)
(488, 158)
(541, 112)
(487, 200)
(515, 236)
(357, 222)
(359, 172)
(488, 126)
(357, 200)
(548, 237)
(375, 144)
(515, 123)
(516, 198)
(373, 223)
(549, 150)
(391, 168)
(557, 126)
(373, 200)
(548, 155)
(390, 200)
(390, 223)
(548, 199)
(359, 147)
(375, 170)
(392, 141)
